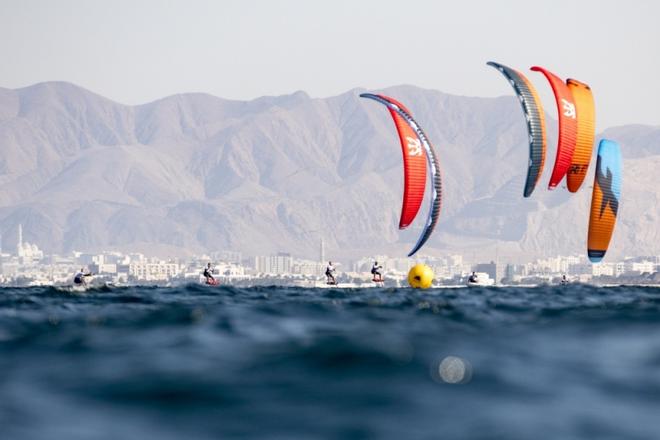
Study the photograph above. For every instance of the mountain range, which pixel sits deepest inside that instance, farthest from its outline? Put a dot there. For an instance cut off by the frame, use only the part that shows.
(195, 173)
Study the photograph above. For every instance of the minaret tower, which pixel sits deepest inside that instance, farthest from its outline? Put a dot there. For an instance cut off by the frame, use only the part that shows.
(322, 251)
(19, 246)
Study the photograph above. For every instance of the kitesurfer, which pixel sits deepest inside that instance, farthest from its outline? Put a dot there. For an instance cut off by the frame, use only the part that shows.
(79, 277)
(376, 271)
(473, 278)
(208, 271)
(329, 273)
(564, 281)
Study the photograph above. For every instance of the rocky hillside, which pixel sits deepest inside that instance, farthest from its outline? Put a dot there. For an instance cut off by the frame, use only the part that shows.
(194, 172)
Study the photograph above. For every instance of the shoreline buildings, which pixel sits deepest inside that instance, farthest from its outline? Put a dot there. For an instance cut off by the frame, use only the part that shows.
(28, 265)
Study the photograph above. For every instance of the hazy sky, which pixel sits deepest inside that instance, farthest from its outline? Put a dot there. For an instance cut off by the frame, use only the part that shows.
(138, 51)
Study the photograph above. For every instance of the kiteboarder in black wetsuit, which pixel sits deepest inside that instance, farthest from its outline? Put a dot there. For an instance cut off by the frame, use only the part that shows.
(208, 274)
(375, 271)
(79, 277)
(329, 273)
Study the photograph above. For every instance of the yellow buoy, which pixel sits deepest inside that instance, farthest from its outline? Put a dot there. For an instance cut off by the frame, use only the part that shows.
(420, 276)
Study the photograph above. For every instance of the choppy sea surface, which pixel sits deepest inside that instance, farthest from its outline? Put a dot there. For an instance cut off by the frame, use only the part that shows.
(200, 362)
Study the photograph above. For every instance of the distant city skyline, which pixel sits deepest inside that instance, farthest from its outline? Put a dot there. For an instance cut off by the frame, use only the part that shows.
(137, 52)
(27, 267)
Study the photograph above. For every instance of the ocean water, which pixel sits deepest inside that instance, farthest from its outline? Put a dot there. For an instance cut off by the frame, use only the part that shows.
(199, 362)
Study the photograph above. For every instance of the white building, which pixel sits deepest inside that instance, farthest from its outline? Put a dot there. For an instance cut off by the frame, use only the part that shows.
(105, 268)
(160, 271)
(607, 269)
(230, 270)
(308, 268)
(641, 267)
(26, 252)
(279, 264)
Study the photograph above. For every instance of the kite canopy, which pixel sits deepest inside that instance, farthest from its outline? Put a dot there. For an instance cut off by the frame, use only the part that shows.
(531, 105)
(417, 153)
(414, 160)
(604, 200)
(586, 132)
(567, 126)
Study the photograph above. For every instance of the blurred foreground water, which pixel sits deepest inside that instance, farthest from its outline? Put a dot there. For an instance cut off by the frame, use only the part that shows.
(199, 362)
